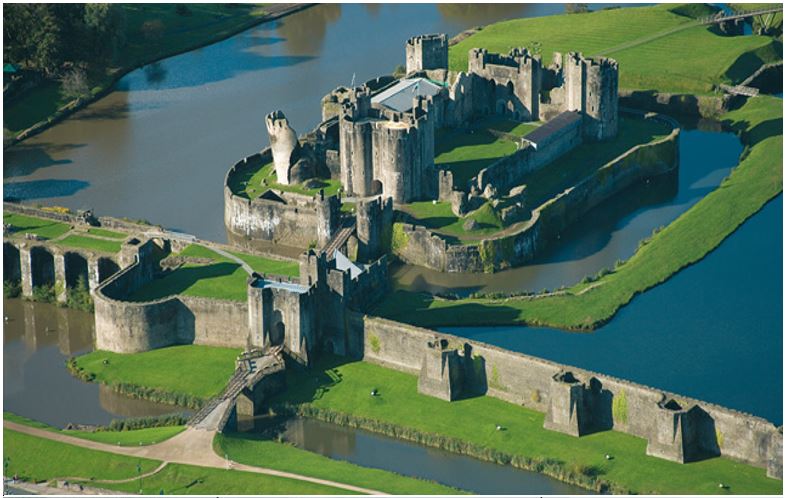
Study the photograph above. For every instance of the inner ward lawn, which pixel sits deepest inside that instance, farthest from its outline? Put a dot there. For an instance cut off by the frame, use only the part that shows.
(756, 180)
(222, 278)
(439, 217)
(345, 388)
(253, 183)
(42, 227)
(284, 457)
(199, 371)
(686, 61)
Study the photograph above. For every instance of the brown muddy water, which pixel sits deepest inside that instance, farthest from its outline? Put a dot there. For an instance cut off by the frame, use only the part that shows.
(38, 338)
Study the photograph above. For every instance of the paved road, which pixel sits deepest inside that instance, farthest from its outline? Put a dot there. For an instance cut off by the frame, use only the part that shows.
(190, 447)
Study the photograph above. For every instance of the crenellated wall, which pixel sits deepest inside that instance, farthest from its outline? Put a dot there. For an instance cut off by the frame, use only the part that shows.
(576, 401)
(420, 246)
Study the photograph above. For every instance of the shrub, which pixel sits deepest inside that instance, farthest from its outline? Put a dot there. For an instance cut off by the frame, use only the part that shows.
(135, 423)
(620, 408)
(44, 294)
(79, 296)
(12, 288)
(374, 343)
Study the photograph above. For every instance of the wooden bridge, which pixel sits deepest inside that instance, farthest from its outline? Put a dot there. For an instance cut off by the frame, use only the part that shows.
(745, 91)
(339, 239)
(741, 14)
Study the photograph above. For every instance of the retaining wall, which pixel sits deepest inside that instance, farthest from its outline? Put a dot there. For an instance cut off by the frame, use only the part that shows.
(420, 246)
(292, 223)
(529, 381)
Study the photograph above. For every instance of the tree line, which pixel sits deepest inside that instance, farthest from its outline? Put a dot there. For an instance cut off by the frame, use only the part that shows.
(46, 37)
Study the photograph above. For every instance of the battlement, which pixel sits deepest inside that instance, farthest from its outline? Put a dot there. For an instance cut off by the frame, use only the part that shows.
(426, 52)
(478, 58)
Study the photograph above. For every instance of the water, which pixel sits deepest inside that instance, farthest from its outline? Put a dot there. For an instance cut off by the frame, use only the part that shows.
(713, 331)
(158, 147)
(608, 233)
(37, 340)
(373, 450)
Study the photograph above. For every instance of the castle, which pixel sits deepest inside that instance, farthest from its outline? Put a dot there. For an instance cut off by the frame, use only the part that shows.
(378, 139)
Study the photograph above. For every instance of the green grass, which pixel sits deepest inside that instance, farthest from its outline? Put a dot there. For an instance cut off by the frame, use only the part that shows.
(38, 459)
(345, 388)
(102, 232)
(269, 266)
(441, 219)
(756, 180)
(223, 278)
(253, 183)
(270, 454)
(45, 228)
(200, 371)
(465, 153)
(178, 479)
(505, 125)
(135, 437)
(664, 64)
(83, 242)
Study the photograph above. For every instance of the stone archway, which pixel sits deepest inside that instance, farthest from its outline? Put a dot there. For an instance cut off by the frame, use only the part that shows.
(377, 187)
(42, 267)
(277, 330)
(12, 263)
(76, 269)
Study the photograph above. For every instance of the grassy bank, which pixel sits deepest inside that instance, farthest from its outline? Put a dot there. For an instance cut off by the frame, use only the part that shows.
(648, 43)
(153, 32)
(136, 437)
(91, 243)
(470, 425)
(756, 180)
(44, 228)
(38, 459)
(221, 278)
(279, 456)
(186, 373)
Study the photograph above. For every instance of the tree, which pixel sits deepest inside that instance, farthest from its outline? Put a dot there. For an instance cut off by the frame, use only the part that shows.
(577, 8)
(75, 84)
(153, 29)
(106, 27)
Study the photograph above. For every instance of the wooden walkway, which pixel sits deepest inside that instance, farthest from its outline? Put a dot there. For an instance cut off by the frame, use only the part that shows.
(746, 91)
(743, 14)
(339, 239)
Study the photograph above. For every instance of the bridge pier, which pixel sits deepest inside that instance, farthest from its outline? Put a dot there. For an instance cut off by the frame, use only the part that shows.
(93, 274)
(61, 283)
(26, 270)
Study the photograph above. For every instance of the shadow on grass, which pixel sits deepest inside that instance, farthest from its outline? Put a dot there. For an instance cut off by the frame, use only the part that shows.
(180, 280)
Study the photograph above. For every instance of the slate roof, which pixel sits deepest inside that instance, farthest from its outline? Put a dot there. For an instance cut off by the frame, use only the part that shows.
(400, 96)
(543, 132)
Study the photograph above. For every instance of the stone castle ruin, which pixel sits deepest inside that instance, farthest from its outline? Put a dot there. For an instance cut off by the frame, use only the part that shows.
(378, 139)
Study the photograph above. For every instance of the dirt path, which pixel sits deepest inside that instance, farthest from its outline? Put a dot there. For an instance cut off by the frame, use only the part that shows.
(190, 447)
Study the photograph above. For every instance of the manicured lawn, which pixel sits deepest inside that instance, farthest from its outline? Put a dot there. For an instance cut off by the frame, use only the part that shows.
(38, 459)
(47, 229)
(440, 218)
(663, 64)
(178, 479)
(756, 180)
(510, 126)
(223, 278)
(345, 388)
(103, 232)
(269, 266)
(265, 453)
(465, 153)
(83, 242)
(135, 437)
(253, 183)
(200, 371)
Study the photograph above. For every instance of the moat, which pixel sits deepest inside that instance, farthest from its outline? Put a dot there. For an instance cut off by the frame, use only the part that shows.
(684, 336)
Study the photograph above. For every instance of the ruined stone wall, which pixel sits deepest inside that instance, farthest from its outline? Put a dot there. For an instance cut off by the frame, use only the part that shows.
(530, 382)
(509, 171)
(420, 246)
(517, 78)
(292, 223)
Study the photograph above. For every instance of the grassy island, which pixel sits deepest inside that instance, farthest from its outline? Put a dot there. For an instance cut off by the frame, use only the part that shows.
(252, 183)
(339, 392)
(756, 180)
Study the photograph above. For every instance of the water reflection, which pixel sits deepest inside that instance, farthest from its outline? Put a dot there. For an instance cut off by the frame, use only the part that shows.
(37, 341)
(689, 334)
(609, 232)
(306, 37)
(373, 450)
(42, 189)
